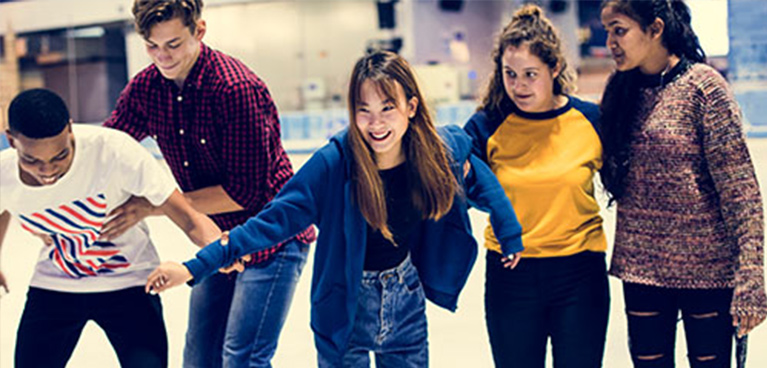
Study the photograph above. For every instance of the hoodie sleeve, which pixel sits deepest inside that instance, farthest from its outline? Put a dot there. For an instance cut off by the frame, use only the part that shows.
(480, 128)
(294, 208)
(485, 193)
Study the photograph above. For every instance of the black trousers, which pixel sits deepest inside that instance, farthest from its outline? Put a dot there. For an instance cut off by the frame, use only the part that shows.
(652, 313)
(566, 299)
(52, 322)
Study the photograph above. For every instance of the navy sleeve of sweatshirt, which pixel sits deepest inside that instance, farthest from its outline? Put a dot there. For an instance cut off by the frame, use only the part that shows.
(294, 208)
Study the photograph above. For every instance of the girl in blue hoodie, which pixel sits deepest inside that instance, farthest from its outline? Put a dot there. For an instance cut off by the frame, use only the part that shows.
(390, 197)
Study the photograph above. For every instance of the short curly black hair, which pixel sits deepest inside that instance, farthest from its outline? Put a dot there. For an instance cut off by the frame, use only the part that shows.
(37, 114)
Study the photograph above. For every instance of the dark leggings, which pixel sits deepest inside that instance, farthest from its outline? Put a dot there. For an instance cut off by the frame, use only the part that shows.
(652, 314)
(52, 322)
(563, 298)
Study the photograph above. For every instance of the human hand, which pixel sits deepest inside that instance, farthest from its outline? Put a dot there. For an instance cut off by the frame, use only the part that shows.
(745, 323)
(166, 276)
(511, 261)
(126, 216)
(238, 265)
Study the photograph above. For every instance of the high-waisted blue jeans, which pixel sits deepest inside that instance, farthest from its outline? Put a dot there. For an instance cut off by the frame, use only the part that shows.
(390, 321)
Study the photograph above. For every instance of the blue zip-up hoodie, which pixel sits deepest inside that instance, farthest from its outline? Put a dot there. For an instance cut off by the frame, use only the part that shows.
(321, 193)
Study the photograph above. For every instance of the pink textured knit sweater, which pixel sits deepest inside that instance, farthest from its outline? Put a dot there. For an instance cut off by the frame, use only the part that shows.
(692, 213)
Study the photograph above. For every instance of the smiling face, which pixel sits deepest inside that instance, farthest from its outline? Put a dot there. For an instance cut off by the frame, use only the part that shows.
(174, 49)
(44, 161)
(528, 82)
(383, 121)
(630, 45)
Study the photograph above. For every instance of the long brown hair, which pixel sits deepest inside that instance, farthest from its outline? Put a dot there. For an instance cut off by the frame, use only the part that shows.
(528, 25)
(432, 184)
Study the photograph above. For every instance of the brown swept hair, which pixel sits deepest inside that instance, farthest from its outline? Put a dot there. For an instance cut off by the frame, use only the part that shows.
(147, 13)
(432, 184)
(530, 26)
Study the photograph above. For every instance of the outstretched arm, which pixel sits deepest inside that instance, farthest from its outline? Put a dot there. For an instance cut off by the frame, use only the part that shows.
(294, 208)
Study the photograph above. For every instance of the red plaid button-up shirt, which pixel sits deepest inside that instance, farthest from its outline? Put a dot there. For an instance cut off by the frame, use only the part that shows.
(222, 128)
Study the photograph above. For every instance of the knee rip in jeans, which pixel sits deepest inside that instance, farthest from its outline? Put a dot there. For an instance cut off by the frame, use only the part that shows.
(642, 314)
(707, 358)
(705, 315)
(650, 357)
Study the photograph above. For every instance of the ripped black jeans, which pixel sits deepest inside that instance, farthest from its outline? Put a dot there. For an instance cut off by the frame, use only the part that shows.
(652, 314)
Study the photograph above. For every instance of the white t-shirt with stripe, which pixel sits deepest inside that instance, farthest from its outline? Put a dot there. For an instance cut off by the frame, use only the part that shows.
(107, 169)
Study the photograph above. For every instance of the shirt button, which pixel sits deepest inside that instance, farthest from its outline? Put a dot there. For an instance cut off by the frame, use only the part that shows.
(180, 98)
(154, 136)
(186, 163)
(203, 141)
(181, 131)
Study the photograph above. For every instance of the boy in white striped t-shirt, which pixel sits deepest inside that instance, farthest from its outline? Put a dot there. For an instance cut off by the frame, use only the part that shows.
(61, 182)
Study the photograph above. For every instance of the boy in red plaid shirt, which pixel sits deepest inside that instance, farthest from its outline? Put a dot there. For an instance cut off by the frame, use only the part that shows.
(218, 129)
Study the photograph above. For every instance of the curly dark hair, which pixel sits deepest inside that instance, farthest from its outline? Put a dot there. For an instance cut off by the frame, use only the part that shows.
(529, 25)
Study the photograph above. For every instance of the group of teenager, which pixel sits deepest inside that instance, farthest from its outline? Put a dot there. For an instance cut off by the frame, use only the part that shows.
(389, 196)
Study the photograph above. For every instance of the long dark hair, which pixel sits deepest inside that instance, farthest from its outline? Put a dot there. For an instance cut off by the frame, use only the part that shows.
(433, 185)
(620, 101)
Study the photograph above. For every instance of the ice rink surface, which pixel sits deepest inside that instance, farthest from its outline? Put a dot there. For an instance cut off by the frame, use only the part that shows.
(455, 339)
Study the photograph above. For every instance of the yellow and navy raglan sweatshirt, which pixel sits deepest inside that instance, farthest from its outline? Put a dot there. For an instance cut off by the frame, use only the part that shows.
(546, 163)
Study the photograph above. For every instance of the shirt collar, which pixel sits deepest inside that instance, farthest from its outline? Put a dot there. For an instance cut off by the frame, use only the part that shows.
(197, 73)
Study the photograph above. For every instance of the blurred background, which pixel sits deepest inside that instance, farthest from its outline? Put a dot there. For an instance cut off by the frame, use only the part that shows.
(87, 50)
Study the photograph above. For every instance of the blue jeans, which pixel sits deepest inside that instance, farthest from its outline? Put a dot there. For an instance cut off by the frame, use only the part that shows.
(391, 321)
(236, 322)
